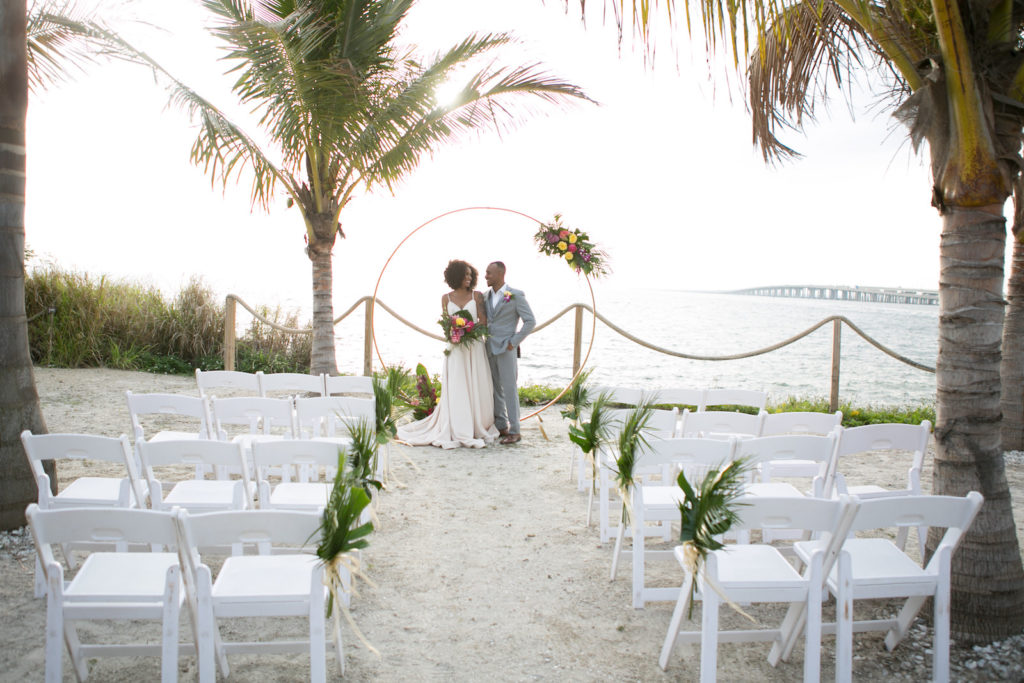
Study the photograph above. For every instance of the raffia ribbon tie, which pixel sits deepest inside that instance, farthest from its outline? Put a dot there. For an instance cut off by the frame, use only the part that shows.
(332, 579)
(694, 565)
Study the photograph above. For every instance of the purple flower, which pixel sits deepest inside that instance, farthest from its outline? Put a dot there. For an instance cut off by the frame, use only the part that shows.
(552, 238)
(586, 256)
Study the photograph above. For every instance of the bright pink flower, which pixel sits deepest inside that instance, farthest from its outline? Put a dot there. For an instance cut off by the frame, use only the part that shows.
(572, 247)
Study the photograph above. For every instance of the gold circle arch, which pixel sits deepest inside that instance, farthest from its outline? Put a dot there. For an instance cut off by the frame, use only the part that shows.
(373, 301)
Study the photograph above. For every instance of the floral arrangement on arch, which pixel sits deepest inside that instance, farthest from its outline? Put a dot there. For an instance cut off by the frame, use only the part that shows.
(574, 246)
(460, 328)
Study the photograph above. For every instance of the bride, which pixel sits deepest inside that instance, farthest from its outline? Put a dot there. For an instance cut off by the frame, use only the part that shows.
(464, 415)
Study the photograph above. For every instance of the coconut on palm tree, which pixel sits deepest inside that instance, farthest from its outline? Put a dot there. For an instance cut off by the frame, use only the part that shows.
(956, 79)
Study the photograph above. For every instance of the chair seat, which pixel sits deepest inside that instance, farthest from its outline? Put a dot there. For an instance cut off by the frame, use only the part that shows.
(296, 495)
(203, 493)
(173, 436)
(122, 577)
(873, 491)
(878, 569)
(93, 491)
(795, 468)
(753, 566)
(772, 489)
(284, 578)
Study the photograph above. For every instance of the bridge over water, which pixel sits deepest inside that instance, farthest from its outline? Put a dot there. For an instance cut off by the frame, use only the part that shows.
(889, 295)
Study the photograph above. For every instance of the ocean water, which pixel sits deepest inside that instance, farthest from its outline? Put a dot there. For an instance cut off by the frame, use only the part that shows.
(702, 323)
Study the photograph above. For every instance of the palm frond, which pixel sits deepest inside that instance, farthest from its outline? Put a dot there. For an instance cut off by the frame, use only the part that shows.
(340, 529)
(387, 395)
(632, 441)
(362, 455)
(709, 511)
(577, 398)
(593, 434)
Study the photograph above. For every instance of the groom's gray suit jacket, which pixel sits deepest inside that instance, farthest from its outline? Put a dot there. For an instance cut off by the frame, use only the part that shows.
(503, 319)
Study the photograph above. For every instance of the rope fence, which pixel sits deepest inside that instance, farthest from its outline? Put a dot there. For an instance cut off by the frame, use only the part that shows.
(231, 301)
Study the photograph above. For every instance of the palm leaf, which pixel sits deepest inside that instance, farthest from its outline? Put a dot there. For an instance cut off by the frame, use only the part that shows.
(577, 397)
(340, 530)
(362, 455)
(593, 433)
(632, 441)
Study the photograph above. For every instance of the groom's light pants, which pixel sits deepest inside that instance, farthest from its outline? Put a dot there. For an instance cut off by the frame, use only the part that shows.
(505, 374)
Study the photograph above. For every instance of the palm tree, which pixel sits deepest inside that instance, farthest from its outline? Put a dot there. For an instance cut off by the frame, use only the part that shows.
(40, 46)
(345, 109)
(957, 82)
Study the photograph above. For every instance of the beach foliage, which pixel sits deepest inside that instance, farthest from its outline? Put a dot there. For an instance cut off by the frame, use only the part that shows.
(594, 432)
(632, 441)
(389, 389)
(77, 320)
(577, 398)
(362, 456)
(341, 530)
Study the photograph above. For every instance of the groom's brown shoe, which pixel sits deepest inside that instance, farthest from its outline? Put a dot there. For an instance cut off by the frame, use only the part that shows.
(511, 438)
(502, 433)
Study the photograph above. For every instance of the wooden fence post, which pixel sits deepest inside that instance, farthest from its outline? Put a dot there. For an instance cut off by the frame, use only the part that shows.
(368, 339)
(229, 332)
(577, 342)
(833, 400)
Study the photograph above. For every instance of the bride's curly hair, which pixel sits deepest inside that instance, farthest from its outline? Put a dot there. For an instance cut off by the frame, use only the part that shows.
(455, 274)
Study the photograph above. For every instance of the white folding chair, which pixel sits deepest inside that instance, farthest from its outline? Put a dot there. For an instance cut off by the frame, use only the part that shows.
(658, 501)
(347, 384)
(799, 422)
(758, 573)
(290, 384)
(678, 396)
(310, 458)
(117, 585)
(237, 383)
(86, 491)
(169, 410)
(888, 440)
(273, 583)
(876, 568)
(735, 397)
(720, 424)
(330, 418)
(198, 495)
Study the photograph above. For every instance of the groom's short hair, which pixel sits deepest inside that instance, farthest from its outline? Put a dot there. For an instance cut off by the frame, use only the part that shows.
(499, 265)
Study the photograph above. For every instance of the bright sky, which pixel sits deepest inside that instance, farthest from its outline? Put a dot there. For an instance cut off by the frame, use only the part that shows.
(663, 175)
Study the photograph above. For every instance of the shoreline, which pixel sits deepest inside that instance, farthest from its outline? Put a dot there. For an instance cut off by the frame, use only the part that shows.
(484, 568)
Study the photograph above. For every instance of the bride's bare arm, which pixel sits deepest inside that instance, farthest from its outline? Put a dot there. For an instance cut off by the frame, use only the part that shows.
(481, 309)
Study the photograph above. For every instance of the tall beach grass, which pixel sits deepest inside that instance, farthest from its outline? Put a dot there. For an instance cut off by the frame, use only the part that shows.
(78, 321)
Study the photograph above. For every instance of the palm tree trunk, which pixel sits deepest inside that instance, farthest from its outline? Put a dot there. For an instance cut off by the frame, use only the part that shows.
(988, 578)
(19, 403)
(323, 358)
(1011, 372)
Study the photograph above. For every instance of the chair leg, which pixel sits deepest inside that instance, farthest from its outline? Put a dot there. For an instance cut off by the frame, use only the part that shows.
(74, 646)
(709, 637)
(638, 559)
(844, 621)
(682, 604)
(812, 639)
(908, 612)
(318, 637)
(55, 633)
(169, 644)
(603, 507)
(940, 648)
(39, 588)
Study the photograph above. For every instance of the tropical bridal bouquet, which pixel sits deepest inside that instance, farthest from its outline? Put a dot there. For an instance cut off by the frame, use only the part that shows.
(460, 328)
(574, 246)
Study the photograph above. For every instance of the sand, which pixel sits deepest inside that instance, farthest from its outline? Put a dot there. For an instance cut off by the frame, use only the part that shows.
(484, 570)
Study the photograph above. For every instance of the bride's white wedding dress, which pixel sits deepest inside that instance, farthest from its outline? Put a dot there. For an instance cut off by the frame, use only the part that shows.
(464, 415)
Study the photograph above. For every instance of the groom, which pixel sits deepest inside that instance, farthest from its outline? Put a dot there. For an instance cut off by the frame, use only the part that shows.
(505, 308)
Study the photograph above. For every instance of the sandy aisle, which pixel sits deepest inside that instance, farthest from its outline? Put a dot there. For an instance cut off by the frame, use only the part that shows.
(484, 570)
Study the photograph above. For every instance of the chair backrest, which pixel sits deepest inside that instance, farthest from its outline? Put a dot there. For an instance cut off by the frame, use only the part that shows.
(912, 439)
(622, 395)
(735, 397)
(716, 423)
(329, 415)
(692, 454)
(40, 447)
(664, 423)
(259, 415)
(289, 383)
(801, 422)
(828, 515)
(192, 452)
(308, 456)
(682, 397)
(241, 529)
(196, 410)
(244, 383)
(120, 527)
(781, 447)
(348, 384)
(953, 513)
